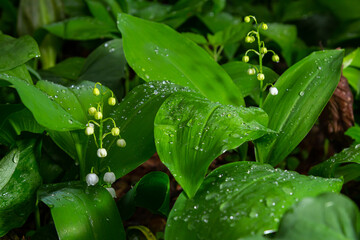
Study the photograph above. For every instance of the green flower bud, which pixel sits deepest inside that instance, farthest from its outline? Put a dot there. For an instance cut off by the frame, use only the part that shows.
(247, 19)
(245, 59)
(264, 26)
(251, 71)
(111, 101)
(98, 115)
(115, 131)
(263, 50)
(92, 111)
(248, 39)
(96, 91)
(121, 143)
(275, 58)
(260, 76)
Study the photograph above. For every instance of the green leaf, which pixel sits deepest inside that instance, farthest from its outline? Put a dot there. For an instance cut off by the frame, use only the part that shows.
(304, 90)
(47, 112)
(135, 117)
(191, 131)
(285, 36)
(352, 59)
(328, 216)
(248, 84)
(69, 69)
(151, 192)
(16, 119)
(99, 11)
(345, 10)
(106, 64)
(15, 52)
(19, 180)
(81, 28)
(239, 199)
(196, 38)
(344, 164)
(82, 212)
(353, 77)
(157, 52)
(354, 133)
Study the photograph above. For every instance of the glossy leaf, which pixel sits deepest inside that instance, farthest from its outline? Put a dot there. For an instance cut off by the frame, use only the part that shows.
(240, 199)
(15, 52)
(82, 212)
(47, 112)
(354, 133)
(106, 64)
(248, 84)
(69, 69)
(285, 36)
(157, 52)
(81, 28)
(328, 216)
(352, 59)
(151, 192)
(304, 90)
(16, 119)
(99, 11)
(19, 180)
(191, 131)
(345, 164)
(135, 117)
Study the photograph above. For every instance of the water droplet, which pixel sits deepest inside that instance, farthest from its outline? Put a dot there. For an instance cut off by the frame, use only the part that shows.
(70, 121)
(301, 93)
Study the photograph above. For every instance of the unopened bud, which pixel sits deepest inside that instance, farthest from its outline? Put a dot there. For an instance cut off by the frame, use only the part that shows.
(115, 131)
(101, 152)
(245, 59)
(98, 115)
(260, 76)
(264, 26)
(273, 91)
(121, 142)
(109, 177)
(96, 91)
(251, 71)
(92, 111)
(263, 50)
(89, 131)
(111, 101)
(247, 19)
(275, 58)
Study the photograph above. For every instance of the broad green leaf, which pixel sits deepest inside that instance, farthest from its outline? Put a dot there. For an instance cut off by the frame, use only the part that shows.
(106, 64)
(47, 112)
(191, 131)
(196, 38)
(15, 52)
(239, 199)
(353, 76)
(218, 22)
(69, 69)
(344, 164)
(285, 36)
(16, 119)
(354, 133)
(156, 53)
(328, 216)
(345, 10)
(352, 59)
(81, 28)
(248, 84)
(82, 212)
(99, 11)
(135, 117)
(19, 180)
(304, 90)
(20, 72)
(151, 192)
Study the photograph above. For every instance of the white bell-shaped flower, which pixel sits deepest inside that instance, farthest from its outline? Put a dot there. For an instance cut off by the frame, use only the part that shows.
(92, 179)
(109, 177)
(273, 91)
(101, 152)
(111, 191)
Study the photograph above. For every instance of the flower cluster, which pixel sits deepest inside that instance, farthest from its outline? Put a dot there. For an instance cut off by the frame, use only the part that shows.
(251, 37)
(109, 178)
(97, 113)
